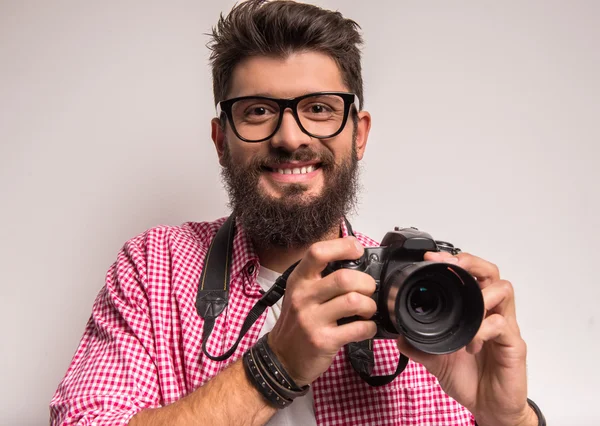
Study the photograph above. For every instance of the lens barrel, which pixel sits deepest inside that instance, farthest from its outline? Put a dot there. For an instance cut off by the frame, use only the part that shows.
(437, 307)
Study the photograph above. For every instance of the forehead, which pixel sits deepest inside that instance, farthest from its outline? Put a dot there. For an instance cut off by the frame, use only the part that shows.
(296, 74)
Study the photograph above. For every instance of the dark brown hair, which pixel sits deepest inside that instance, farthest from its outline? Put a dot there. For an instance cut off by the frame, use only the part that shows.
(279, 28)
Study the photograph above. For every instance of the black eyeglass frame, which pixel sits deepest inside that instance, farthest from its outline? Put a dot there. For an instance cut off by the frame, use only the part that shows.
(348, 98)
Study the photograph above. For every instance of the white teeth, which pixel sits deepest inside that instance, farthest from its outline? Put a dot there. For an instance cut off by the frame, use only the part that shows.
(296, 170)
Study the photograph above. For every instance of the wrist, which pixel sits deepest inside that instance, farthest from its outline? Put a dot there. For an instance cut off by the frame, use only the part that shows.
(283, 361)
(527, 417)
(267, 374)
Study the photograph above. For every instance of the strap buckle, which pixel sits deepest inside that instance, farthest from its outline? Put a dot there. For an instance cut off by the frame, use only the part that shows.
(275, 293)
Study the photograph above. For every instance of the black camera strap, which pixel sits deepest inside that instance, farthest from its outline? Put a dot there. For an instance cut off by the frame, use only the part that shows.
(213, 296)
(362, 360)
(213, 288)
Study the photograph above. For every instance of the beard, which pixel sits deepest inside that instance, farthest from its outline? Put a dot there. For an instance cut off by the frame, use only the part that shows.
(295, 220)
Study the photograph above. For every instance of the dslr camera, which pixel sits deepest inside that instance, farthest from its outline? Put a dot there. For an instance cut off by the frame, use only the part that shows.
(437, 307)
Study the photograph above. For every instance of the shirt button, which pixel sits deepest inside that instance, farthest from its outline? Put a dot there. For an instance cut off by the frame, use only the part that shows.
(251, 269)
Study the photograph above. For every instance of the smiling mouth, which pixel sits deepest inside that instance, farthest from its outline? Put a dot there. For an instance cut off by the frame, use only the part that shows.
(294, 170)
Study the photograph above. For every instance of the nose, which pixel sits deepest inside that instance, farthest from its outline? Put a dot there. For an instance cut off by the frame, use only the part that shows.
(289, 136)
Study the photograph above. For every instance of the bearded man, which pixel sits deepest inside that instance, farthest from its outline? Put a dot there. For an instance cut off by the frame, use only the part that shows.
(289, 133)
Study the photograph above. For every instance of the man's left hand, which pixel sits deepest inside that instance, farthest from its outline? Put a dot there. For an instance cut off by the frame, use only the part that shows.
(489, 375)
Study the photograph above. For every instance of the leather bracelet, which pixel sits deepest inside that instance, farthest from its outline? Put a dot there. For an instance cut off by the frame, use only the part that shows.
(276, 368)
(258, 381)
(269, 377)
(273, 371)
(284, 391)
(273, 379)
(272, 376)
(279, 377)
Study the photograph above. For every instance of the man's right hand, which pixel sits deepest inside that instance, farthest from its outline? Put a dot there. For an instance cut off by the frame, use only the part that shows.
(307, 336)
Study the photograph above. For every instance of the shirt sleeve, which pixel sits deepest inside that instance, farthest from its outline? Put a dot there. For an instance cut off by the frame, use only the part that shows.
(112, 375)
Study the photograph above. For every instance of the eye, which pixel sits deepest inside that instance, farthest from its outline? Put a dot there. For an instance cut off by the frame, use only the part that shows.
(258, 111)
(317, 109)
(254, 110)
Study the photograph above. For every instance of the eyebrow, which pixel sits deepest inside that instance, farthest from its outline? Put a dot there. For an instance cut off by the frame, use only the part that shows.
(270, 95)
(263, 94)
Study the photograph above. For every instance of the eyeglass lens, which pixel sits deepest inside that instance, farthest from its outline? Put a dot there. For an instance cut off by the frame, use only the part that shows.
(320, 115)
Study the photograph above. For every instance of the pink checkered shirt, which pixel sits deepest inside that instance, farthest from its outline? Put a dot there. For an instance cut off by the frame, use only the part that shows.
(142, 345)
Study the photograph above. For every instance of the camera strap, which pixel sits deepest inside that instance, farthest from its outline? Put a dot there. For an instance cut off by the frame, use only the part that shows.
(213, 296)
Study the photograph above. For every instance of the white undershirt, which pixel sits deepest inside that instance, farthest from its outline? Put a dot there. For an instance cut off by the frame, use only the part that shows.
(301, 412)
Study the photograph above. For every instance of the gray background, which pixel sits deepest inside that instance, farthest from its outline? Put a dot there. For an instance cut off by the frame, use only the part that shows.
(485, 133)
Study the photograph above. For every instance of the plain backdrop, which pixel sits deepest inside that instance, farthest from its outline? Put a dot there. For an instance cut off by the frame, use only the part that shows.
(485, 132)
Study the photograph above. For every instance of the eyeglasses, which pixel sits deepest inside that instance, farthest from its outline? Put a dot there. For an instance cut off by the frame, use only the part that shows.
(320, 115)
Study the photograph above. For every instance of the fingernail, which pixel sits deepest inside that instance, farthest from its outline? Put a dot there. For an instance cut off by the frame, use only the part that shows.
(451, 260)
(439, 254)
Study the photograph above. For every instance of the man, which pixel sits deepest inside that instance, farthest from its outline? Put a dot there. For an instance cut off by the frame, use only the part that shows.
(289, 133)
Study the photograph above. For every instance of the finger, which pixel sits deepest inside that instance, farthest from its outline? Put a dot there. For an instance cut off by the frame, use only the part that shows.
(440, 256)
(355, 331)
(499, 297)
(485, 272)
(348, 305)
(320, 254)
(344, 281)
(494, 328)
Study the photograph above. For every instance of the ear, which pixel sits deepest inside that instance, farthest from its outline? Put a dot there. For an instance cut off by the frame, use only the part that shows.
(217, 134)
(362, 133)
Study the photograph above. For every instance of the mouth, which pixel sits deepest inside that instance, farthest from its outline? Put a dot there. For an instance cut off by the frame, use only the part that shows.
(295, 172)
(293, 168)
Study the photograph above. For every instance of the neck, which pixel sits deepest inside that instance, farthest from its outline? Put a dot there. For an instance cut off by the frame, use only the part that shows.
(280, 258)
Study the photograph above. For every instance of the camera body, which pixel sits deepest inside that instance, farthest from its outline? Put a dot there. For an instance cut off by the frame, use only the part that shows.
(437, 307)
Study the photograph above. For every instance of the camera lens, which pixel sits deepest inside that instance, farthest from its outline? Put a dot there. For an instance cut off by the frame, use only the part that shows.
(424, 301)
(438, 307)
